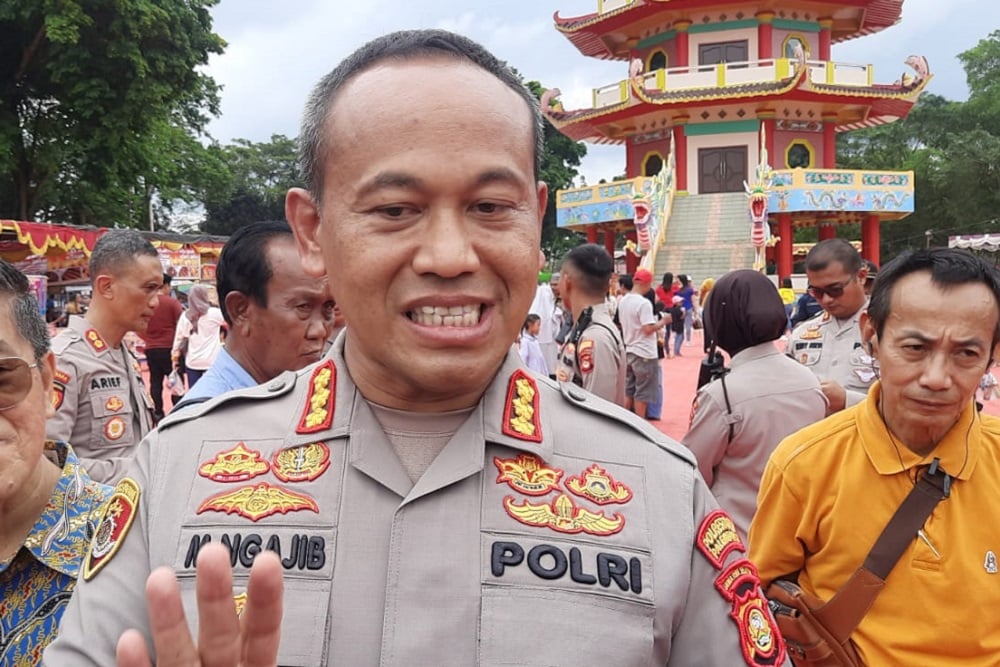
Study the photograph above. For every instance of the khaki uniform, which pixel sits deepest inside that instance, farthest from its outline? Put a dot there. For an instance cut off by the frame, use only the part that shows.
(595, 359)
(832, 350)
(551, 526)
(102, 405)
(770, 397)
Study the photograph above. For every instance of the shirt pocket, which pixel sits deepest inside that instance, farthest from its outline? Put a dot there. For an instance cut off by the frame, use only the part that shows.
(113, 418)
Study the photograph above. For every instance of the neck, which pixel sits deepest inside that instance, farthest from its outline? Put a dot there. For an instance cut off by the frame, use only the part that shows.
(920, 441)
(581, 304)
(111, 332)
(238, 349)
(19, 514)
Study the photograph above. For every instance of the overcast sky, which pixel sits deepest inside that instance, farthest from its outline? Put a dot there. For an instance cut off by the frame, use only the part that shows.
(278, 49)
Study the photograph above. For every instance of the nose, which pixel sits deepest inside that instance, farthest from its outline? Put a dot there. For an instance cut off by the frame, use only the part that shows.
(154, 301)
(318, 327)
(936, 374)
(447, 248)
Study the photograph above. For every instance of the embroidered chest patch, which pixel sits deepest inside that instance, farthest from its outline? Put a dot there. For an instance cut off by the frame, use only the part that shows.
(527, 474)
(564, 516)
(234, 465)
(258, 502)
(301, 464)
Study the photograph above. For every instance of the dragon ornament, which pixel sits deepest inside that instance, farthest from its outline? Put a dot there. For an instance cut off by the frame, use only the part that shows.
(757, 194)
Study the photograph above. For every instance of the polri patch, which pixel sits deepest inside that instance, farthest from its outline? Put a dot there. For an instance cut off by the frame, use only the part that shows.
(258, 502)
(58, 394)
(114, 428)
(717, 538)
(596, 485)
(520, 412)
(95, 340)
(760, 639)
(112, 526)
(301, 464)
(527, 474)
(234, 465)
(585, 352)
(317, 414)
(563, 516)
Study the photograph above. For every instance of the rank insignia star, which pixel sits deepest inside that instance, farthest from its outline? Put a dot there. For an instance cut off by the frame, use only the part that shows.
(563, 516)
(527, 474)
(114, 404)
(317, 415)
(95, 340)
(521, 409)
(301, 464)
(112, 526)
(596, 485)
(258, 502)
(760, 640)
(234, 465)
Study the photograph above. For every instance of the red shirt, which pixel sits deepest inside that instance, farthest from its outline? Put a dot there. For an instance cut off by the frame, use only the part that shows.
(163, 323)
(666, 297)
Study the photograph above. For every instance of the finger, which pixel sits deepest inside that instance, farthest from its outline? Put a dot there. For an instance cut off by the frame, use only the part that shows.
(132, 650)
(171, 637)
(262, 616)
(218, 626)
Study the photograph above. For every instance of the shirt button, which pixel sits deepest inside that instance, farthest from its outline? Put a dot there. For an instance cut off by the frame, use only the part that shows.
(276, 385)
(577, 395)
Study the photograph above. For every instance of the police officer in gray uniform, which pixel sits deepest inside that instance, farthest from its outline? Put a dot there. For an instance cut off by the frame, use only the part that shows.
(739, 418)
(102, 405)
(593, 356)
(429, 500)
(829, 344)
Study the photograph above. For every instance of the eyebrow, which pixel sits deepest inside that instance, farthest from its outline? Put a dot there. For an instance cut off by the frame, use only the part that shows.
(965, 342)
(401, 180)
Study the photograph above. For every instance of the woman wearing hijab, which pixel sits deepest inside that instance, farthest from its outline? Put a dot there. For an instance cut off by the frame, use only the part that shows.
(197, 335)
(739, 418)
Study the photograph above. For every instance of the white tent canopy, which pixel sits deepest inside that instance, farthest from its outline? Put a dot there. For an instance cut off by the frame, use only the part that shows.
(988, 242)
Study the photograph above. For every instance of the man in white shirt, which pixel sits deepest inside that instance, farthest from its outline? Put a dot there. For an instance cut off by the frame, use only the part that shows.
(639, 327)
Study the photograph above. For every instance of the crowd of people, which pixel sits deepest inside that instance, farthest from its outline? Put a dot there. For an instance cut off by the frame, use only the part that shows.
(401, 487)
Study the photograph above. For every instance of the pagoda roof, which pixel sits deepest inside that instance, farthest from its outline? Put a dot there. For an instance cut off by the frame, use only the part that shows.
(883, 103)
(608, 34)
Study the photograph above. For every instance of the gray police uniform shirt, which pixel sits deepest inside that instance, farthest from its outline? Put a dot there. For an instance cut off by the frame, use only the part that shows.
(552, 528)
(601, 355)
(832, 350)
(102, 406)
(770, 397)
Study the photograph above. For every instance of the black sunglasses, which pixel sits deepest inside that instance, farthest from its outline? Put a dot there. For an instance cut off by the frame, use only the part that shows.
(834, 291)
(15, 381)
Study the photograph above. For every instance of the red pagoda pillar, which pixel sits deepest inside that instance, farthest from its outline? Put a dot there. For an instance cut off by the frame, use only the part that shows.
(681, 153)
(784, 247)
(681, 28)
(609, 240)
(870, 238)
(825, 30)
(591, 233)
(765, 37)
(829, 141)
(827, 230)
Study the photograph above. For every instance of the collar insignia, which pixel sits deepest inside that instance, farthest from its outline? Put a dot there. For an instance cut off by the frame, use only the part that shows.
(564, 517)
(61, 376)
(596, 485)
(235, 465)
(95, 340)
(301, 464)
(317, 415)
(258, 502)
(717, 537)
(112, 527)
(527, 474)
(521, 410)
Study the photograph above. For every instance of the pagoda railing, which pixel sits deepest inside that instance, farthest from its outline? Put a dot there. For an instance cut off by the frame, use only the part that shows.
(723, 75)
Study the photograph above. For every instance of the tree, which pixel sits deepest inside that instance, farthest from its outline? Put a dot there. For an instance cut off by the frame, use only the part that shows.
(91, 92)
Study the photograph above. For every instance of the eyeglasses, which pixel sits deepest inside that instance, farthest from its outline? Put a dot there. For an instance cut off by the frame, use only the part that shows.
(15, 381)
(833, 291)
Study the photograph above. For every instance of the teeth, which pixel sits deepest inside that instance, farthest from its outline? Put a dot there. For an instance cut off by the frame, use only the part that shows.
(448, 316)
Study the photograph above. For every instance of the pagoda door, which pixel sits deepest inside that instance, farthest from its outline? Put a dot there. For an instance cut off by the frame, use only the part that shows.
(722, 169)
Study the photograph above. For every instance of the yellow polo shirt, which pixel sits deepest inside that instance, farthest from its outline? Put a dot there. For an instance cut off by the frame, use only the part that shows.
(829, 490)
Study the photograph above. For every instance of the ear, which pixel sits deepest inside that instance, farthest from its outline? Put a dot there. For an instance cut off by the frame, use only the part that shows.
(103, 285)
(237, 305)
(303, 217)
(543, 201)
(868, 334)
(47, 369)
(863, 274)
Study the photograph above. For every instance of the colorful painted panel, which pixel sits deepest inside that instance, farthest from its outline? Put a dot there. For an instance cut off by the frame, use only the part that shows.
(607, 202)
(797, 190)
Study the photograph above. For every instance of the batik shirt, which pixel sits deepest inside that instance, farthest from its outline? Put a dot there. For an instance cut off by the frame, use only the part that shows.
(36, 583)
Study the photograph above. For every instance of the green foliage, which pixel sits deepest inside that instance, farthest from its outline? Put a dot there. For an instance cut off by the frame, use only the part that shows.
(953, 148)
(93, 96)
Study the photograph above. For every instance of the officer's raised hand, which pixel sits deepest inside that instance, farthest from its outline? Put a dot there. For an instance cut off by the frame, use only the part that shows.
(224, 640)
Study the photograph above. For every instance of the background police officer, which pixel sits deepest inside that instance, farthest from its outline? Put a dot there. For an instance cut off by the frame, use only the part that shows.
(593, 355)
(102, 406)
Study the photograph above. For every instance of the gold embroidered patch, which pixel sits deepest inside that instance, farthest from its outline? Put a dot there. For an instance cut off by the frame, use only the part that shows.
(521, 419)
(301, 464)
(596, 485)
(527, 474)
(717, 537)
(114, 428)
(112, 526)
(240, 601)
(317, 415)
(61, 376)
(564, 516)
(95, 340)
(234, 465)
(114, 404)
(259, 501)
(812, 333)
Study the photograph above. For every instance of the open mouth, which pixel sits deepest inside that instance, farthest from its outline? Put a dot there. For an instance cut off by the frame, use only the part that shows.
(447, 316)
(757, 205)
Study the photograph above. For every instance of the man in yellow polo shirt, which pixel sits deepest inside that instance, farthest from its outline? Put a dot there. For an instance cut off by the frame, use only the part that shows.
(830, 489)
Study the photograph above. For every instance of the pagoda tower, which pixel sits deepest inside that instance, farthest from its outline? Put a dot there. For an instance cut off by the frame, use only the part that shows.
(719, 94)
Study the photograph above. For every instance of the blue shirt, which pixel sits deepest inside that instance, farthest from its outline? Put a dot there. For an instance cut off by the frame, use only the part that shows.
(36, 583)
(225, 374)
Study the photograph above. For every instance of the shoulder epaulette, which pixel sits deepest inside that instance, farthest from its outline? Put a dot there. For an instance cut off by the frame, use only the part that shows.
(578, 397)
(278, 386)
(63, 339)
